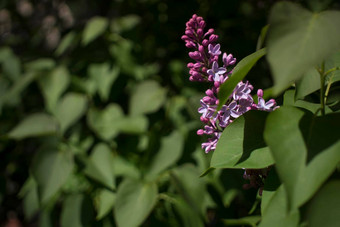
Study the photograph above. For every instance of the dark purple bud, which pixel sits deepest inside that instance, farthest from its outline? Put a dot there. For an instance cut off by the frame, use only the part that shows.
(201, 48)
(190, 44)
(190, 65)
(199, 32)
(213, 38)
(202, 24)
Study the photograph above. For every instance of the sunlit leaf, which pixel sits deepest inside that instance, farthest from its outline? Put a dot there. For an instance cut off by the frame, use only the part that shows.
(297, 41)
(241, 144)
(38, 124)
(134, 202)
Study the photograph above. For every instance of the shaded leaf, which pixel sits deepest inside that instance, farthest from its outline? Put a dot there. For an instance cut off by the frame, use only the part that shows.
(133, 124)
(239, 72)
(65, 43)
(76, 212)
(296, 41)
(250, 221)
(277, 214)
(323, 208)
(38, 124)
(170, 151)
(241, 144)
(134, 202)
(99, 166)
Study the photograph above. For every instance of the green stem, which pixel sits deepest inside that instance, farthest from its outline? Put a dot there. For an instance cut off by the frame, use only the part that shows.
(328, 86)
(331, 70)
(322, 88)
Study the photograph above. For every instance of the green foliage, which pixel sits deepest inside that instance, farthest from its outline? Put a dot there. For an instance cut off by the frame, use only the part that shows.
(137, 198)
(100, 130)
(297, 41)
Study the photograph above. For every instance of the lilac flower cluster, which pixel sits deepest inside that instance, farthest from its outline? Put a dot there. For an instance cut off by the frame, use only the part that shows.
(206, 68)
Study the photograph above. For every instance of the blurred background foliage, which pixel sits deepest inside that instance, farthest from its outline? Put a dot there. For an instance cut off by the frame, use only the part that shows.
(98, 119)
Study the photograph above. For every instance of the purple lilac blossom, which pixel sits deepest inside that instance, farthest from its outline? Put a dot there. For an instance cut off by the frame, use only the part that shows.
(205, 68)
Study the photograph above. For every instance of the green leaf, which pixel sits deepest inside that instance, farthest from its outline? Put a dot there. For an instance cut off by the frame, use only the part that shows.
(50, 169)
(53, 85)
(65, 43)
(271, 184)
(241, 144)
(70, 109)
(104, 202)
(239, 72)
(122, 167)
(125, 23)
(277, 214)
(104, 77)
(330, 63)
(187, 214)
(147, 97)
(99, 166)
(106, 123)
(290, 133)
(297, 41)
(135, 200)
(94, 28)
(249, 220)
(324, 207)
(11, 66)
(262, 37)
(170, 151)
(29, 193)
(41, 64)
(133, 124)
(76, 212)
(191, 187)
(38, 124)
(309, 83)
